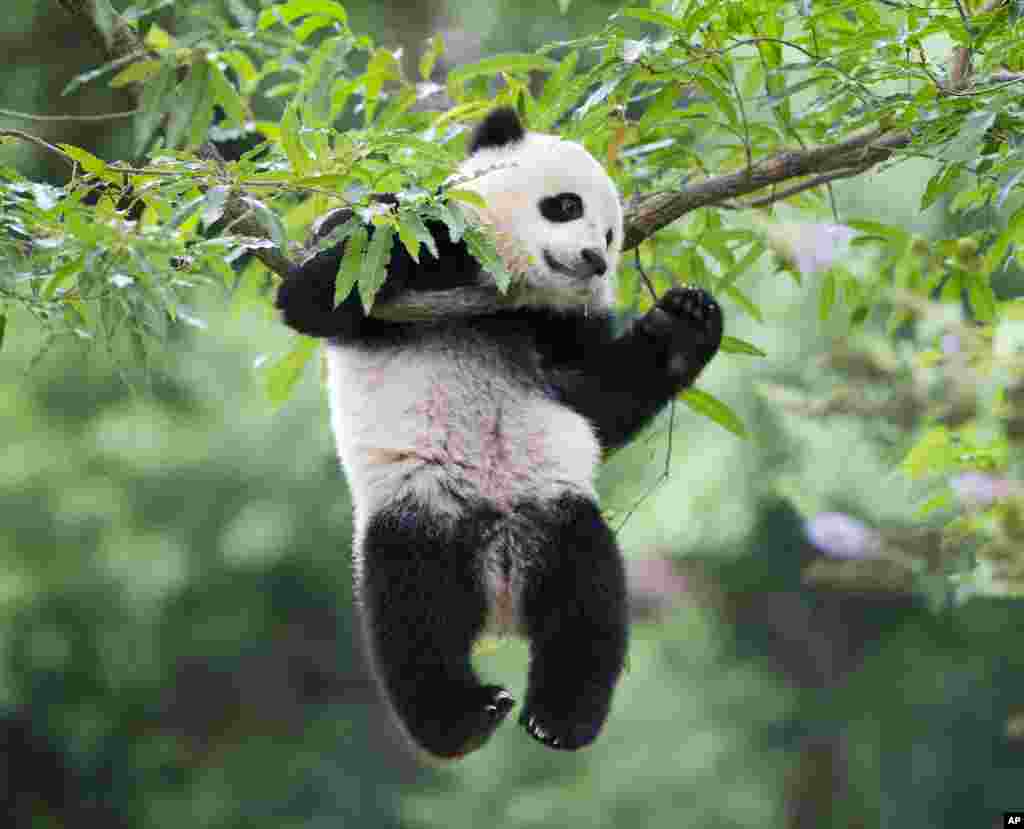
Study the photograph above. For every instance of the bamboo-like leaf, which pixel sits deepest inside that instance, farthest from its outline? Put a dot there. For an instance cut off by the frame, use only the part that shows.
(270, 221)
(182, 114)
(62, 275)
(185, 211)
(225, 94)
(710, 406)
(375, 272)
(294, 9)
(827, 295)
(154, 92)
(89, 162)
(513, 63)
(467, 196)
(430, 55)
(413, 232)
(292, 143)
(280, 377)
(138, 72)
(734, 345)
(213, 204)
(351, 265)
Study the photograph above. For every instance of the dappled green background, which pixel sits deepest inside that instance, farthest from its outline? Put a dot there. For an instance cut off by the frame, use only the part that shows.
(175, 606)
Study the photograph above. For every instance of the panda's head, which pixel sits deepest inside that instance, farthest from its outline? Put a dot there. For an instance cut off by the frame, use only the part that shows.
(556, 211)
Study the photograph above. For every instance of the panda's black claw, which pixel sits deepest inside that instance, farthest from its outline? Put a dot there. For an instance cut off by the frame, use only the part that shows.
(565, 736)
(500, 704)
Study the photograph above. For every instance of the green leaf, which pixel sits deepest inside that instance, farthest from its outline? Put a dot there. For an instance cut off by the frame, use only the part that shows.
(227, 96)
(213, 204)
(185, 211)
(827, 296)
(734, 345)
(430, 56)
(933, 453)
(158, 38)
(89, 162)
(480, 242)
(154, 93)
(188, 105)
(722, 99)
(3, 328)
(292, 143)
(375, 271)
(940, 500)
(246, 70)
(138, 72)
(105, 18)
(280, 377)
(513, 63)
(741, 299)
(413, 233)
(556, 81)
(468, 196)
(382, 67)
(454, 219)
(351, 264)
(981, 297)
(657, 18)
(294, 9)
(62, 275)
(940, 183)
(710, 406)
(890, 233)
(966, 146)
(1013, 234)
(270, 221)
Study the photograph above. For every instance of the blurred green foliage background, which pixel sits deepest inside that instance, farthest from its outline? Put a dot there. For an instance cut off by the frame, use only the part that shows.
(177, 639)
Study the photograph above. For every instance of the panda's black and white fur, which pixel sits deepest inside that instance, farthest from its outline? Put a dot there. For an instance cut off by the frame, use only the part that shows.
(471, 444)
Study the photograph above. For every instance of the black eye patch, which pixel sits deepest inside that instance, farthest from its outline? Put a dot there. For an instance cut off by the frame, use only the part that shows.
(565, 207)
(608, 237)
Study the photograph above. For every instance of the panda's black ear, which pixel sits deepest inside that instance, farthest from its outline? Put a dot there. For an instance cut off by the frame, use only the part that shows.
(500, 127)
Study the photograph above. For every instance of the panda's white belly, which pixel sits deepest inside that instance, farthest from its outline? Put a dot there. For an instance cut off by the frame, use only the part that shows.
(445, 426)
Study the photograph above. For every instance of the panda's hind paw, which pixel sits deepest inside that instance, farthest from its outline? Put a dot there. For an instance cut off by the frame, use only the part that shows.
(461, 726)
(565, 735)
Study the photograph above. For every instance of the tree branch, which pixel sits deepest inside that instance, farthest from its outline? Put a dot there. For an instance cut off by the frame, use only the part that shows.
(643, 219)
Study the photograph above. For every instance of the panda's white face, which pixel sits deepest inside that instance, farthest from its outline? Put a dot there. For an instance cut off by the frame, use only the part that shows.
(558, 218)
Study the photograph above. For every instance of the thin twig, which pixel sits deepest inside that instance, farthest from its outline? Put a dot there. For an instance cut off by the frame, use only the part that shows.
(643, 274)
(29, 116)
(39, 142)
(964, 18)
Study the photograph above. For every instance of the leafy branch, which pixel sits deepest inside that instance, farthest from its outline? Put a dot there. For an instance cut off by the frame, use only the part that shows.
(770, 179)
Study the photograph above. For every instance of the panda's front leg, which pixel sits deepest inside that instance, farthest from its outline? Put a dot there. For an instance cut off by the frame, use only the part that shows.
(574, 611)
(619, 385)
(423, 606)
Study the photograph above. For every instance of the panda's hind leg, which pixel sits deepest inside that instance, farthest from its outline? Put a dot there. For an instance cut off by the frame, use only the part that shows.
(574, 611)
(423, 607)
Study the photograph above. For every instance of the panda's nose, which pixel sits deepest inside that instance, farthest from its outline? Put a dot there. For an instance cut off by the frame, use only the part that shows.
(595, 261)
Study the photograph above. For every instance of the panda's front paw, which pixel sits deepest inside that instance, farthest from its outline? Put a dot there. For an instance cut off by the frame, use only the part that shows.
(687, 321)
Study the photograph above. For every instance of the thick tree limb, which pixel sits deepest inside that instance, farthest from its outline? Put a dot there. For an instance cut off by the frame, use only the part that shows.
(643, 218)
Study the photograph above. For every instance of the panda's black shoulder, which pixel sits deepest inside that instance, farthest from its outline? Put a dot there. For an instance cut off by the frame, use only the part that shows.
(500, 128)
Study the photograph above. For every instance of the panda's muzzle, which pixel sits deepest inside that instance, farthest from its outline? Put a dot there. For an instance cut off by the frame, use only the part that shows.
(591, 263)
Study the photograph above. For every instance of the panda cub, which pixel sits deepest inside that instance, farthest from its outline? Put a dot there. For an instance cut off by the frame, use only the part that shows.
(471, 445)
